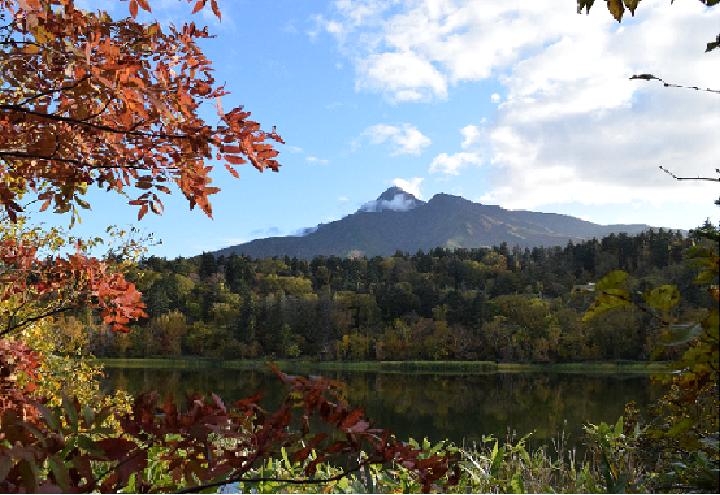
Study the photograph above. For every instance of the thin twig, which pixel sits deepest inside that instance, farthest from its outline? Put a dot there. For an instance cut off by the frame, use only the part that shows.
(648, 77)
(690, 178)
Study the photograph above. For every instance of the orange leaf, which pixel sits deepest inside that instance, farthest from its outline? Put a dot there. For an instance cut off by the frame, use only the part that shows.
(232, 171)
(235, 160)
(143, 211)
(133, 8)
(199, 5)
(215, 9)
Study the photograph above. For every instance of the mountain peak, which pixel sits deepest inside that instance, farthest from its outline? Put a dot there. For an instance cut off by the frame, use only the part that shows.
(394, 198)
(393, 191)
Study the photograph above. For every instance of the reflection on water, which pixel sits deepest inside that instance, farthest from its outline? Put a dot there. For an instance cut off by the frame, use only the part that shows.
(453, 407)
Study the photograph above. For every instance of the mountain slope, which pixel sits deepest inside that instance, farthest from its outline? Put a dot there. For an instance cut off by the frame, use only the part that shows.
(398, 220)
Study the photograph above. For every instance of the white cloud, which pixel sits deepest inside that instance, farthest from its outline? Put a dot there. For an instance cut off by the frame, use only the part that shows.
(303, 232)
(472, 136)
(342, 198)
(380, 132)
(315, 30)
(314, 159)
(570, 125)
(406, 139)
(574, 128)
(294, 149)
(398, 203)
(413, 53)
(451, 164)
(411, 185)
(404, 76)
(289, 27)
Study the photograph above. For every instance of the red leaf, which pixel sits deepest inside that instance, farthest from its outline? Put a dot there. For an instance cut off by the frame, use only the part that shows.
(235, 160)
(232, 171)
(351, 419)
(133, 8)
(199, 5)
(215, 9)
(144, 5)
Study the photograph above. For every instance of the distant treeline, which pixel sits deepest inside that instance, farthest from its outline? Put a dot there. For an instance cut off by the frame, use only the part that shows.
(500, 304)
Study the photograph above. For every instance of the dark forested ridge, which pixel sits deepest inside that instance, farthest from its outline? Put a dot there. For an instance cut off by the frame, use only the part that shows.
(398, 220)
(504, 304)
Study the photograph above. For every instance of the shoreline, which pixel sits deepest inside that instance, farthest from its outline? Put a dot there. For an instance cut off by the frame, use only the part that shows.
(439, 367)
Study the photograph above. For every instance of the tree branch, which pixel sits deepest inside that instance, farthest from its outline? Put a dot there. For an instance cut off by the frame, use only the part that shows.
(648, 77)
(13, 327)
(69, 120)
(690, 178)
(74, 161)
(51, 91)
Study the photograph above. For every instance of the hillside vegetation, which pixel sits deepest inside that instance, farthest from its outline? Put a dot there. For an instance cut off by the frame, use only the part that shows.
(501, 304)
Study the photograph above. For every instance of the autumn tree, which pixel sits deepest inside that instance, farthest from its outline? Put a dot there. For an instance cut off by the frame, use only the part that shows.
(91, 101)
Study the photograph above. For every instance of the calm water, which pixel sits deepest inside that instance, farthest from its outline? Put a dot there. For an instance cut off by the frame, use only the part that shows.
(454, 407)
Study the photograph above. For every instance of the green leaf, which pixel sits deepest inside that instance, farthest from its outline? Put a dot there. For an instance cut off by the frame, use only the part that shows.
(100, 418)
(288, 466)
(89, 416)
(497, 458)
(705, 277)
(69, 407)
(86, 443)
(517, 484)
(664, 297)
(607, 474)
(619, 427)
(612, 280)
(682, 334)
(29, 475)
(51, 418)
(62, 475)
(6, 463)
(607, 300)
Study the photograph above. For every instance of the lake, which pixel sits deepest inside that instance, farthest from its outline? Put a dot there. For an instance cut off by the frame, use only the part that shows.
(460, 408)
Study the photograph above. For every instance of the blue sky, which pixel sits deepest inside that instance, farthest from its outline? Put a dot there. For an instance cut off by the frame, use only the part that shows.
(521, 103)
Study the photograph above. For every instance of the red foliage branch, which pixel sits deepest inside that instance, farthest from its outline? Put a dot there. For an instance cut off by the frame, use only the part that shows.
(257, 436)
(112, 103)
(43, 288)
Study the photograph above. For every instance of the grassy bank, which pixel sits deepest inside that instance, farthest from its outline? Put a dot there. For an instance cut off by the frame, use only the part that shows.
(449, 367)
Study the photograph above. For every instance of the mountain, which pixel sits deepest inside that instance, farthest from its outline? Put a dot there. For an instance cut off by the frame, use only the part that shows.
(397, 220)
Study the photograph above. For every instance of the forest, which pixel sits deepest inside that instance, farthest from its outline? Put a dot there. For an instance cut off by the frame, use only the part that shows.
(497, 304)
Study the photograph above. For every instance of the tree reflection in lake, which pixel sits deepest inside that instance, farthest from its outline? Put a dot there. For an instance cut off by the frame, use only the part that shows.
(437, 406)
